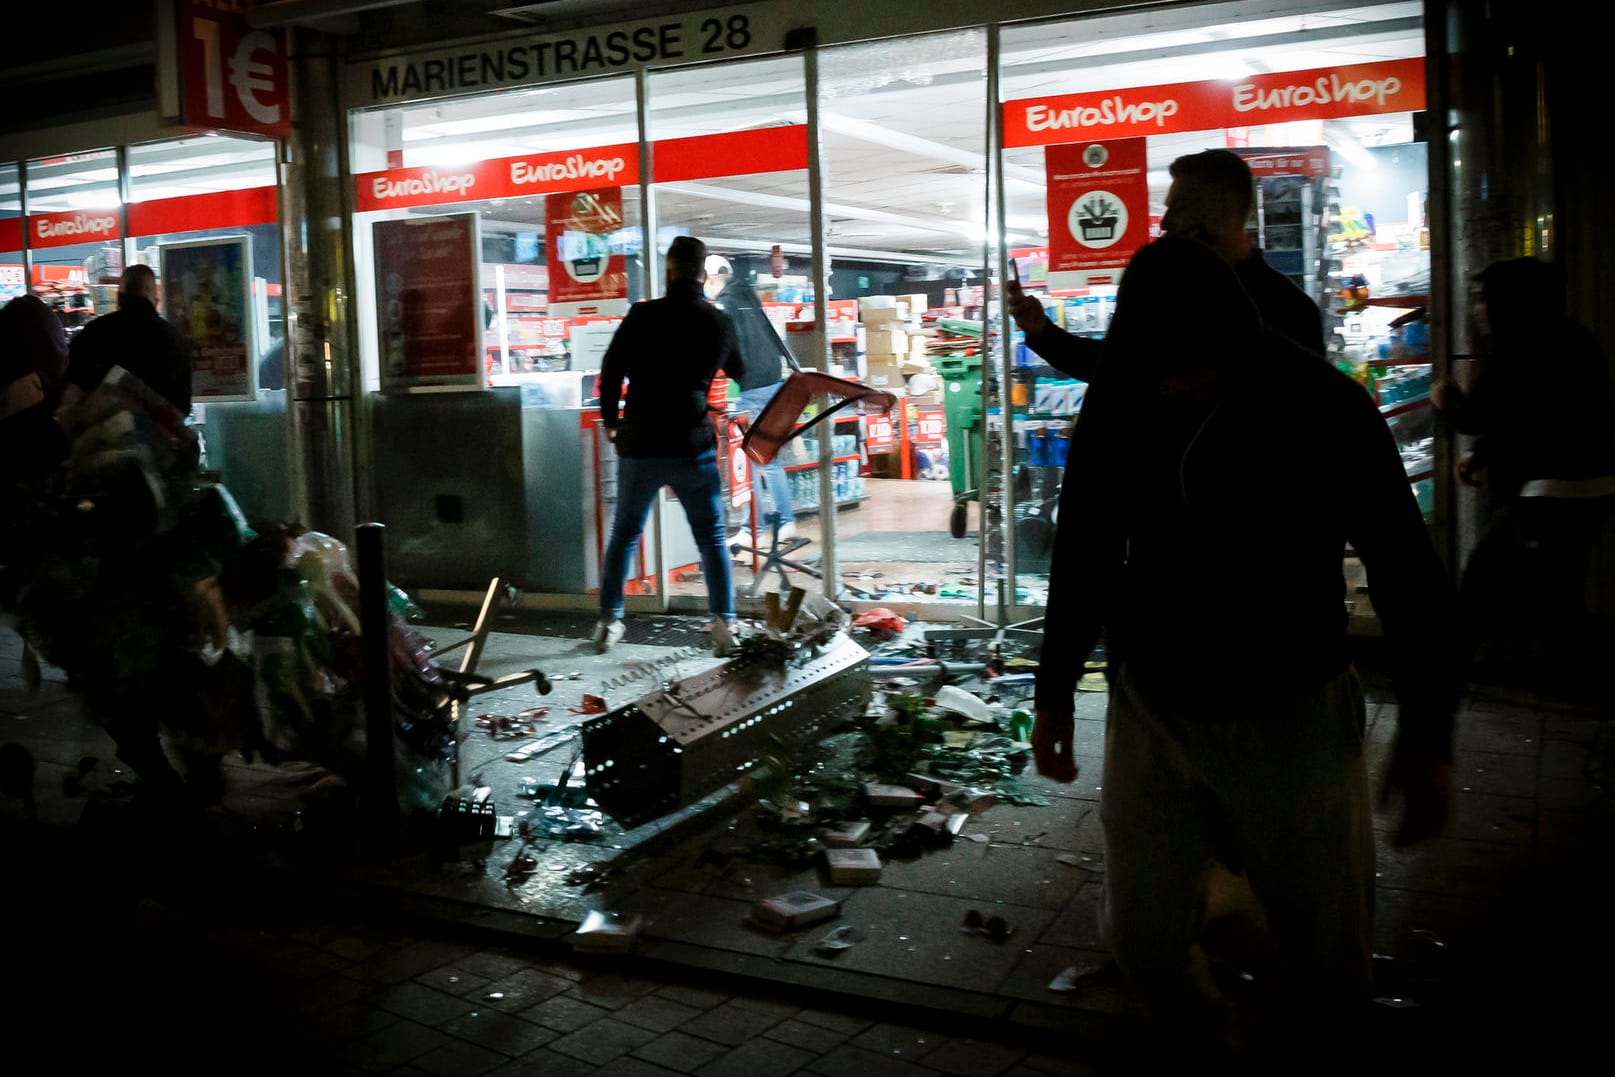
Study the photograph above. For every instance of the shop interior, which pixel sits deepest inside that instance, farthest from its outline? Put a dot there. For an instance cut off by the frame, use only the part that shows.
(906, 150)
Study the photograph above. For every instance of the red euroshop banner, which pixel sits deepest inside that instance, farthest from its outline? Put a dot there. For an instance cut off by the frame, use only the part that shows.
(232, 77)
(190, 213)
(587, 276)
(1322, 93)
(1099, 210)
(428, 308)
(73, 226)
(505, 177)
(737, 153)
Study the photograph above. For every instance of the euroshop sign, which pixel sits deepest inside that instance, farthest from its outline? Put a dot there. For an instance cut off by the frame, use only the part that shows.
(505, 177)
(533, 59)
(72, 226)
(1320, 94)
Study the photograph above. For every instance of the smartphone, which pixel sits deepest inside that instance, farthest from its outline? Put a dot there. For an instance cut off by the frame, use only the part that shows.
(1014, 282)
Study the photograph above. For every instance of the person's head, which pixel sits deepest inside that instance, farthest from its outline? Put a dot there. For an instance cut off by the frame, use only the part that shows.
(1181, 317)
(686, 261)
(1512, 299)
(138, 282)
(719, 273)
(32, 337)
(1210, 200)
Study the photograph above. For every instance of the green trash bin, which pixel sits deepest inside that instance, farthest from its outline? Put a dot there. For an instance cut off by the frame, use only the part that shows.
(961, 412)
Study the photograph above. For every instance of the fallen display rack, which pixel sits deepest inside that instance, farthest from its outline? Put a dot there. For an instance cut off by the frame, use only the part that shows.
(690, 737)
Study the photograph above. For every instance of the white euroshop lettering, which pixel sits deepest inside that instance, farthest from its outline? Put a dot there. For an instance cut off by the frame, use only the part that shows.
(576, 166)
(426, 183)
(1326, 90)
(79, 225)
(1108, 113)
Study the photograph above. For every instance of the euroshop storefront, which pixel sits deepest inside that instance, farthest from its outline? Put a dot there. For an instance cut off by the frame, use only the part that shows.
(880, 189)
(503, 199)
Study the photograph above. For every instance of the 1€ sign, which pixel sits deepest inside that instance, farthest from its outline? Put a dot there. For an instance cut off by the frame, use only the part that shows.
(233, 76)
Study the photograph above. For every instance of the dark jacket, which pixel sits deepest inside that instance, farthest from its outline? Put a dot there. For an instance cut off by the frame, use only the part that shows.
(1284, 308)
(762, 353)
(141, 341)
(668, 349)
(1206, 539)
(33, 358)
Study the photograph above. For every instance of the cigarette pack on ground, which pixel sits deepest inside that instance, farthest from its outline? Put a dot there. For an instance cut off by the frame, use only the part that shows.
(847, 835)
(853, 867)
(892, 796)
(607, 932)
(797, 909)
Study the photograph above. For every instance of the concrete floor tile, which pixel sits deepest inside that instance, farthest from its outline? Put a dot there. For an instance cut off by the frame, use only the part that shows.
(730, 1025)
(989, 874)
(681, 1052)
(1077, 923)
(1483, 817)
(975, 1058)
(1057, 1066)
(545, 1063)
(757, 1057)
(702, 998)
(656, 1013)
(392, 1046)
(1512, 733)
(1495, 773)
(610, 990)
(518, 991)
(454, 980)
(502, 1032)
(460, 1060)
(604, 1041)
(492, 964)
(1456, 867)
(807, 1036)
(1566, 759)
(564, 1013)
(328, 992)
(395, 965)
(835, 1022)
(767, 1006)
(353, 1020)
(630, 1066)
(1104, 992)
(917, 936)
(850, 1061)
(418, 1002)
(903, 1042)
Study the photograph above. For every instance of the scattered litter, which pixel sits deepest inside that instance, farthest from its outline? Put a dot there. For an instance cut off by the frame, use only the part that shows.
(797, 909)
(844, 937)
(502, 828)
(591, 705)
(880, 618)
(542, 745)
(606, 932)
(1068, 979)
(959, 701)
(574, 675)
(1397, 1003)
(853, 867)
(847, 835)
(882, 795)
(994, 927)
(979, 838)
(1070, 858)
(521, 865)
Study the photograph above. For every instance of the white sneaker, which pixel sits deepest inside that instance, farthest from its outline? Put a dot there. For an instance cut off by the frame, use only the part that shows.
(723, 638)
(740, 538)
(787, 531)
(607, 634)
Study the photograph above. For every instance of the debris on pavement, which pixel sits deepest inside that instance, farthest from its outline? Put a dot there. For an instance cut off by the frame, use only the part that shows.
(842, 938)
(795, 910)
(1068, 979)
(607, 932)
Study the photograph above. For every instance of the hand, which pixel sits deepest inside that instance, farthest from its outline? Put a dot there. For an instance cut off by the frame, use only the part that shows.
(611, 434)
(1027, 311)
(1425, 784)
(1468, 470)
(1052, 735)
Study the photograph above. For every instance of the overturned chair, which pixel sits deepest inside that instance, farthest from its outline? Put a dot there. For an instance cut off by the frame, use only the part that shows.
(777, 424)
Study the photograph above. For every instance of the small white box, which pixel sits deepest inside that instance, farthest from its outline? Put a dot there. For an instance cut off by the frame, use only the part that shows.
(797, 909)
(607, 932)
(853, 867)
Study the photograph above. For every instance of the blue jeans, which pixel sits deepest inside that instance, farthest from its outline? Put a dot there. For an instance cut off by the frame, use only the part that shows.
(772, 474)
(696, 481)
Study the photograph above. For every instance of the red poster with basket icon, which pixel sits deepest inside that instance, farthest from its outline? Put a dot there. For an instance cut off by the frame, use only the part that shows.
(1099, 210)
(588, 273)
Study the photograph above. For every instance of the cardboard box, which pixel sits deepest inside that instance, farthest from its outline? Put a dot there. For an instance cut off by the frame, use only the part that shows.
(886, 341)
(797, 909)
(883, 371)
(918, 303)
(877, 310)
(853, 867)
(847, 835)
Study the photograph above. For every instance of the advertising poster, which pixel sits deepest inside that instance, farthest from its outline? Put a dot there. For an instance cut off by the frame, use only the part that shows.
(428, 303)
(1099, 210)
(586, 275)
(207, 295)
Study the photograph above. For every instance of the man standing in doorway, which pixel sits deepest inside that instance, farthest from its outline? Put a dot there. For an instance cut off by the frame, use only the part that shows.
(765, 361)
(1210, 199)
(668, 349)
(136, 338)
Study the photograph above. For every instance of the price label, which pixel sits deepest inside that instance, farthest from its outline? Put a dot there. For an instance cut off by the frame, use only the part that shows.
(878, 435)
